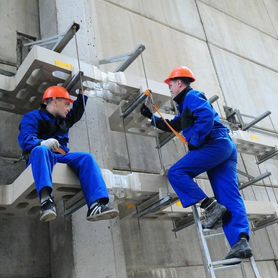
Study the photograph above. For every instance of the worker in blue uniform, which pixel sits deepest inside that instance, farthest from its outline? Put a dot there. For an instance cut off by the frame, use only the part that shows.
(44, 137)
(211, 150)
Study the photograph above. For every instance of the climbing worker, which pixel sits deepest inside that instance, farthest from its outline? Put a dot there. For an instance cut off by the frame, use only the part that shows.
(211, 150)
(44, 137)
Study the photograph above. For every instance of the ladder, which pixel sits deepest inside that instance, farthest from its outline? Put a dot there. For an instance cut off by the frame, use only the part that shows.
(213, 266)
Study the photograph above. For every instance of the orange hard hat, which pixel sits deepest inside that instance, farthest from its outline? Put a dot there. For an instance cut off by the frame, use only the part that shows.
(56, 92)
(183, 72)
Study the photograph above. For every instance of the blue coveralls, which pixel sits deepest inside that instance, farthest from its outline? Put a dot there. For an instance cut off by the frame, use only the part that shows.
(212, 151)
(40, 125)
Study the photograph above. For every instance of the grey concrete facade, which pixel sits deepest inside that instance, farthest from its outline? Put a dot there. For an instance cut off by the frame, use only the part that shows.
(231, 46)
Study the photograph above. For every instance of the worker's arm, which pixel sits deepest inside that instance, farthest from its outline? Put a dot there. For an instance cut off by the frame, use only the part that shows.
(198, 115)
(77, 110)
(159, 123)
(28, 136)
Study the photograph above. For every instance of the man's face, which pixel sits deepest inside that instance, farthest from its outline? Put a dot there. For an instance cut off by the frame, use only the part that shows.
(61, 107)
(175, 87)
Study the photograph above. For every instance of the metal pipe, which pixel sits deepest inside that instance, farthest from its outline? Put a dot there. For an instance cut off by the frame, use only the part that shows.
(256, 179)
(133, 106)
(258, 119)
(131, 58)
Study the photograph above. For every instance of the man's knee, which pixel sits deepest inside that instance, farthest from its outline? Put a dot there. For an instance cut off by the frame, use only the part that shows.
(172, 172)
(40, 150)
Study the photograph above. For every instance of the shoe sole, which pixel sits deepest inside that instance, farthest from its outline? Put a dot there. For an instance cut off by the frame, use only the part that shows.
(48, 216)
(104, 216)
(216, 224)
(246, 254)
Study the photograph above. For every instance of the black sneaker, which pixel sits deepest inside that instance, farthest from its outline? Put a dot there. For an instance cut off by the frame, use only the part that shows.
(240, 250)
(48, 210)
(213, 215)
(101, 212)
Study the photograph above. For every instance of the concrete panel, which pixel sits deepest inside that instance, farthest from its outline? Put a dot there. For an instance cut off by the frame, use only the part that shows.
(252, 84)
(152, 244)
(81, 12)
(261, 246)
(273, 237)
(239, 38)
(48, 18)
(21, 16)
(251, 12)
(170, 272)
(165, 48)
(174, 14)
(24, 248)
(61, 252)
(272, 7)
(9, 131)
(266, 269)
(97, 248)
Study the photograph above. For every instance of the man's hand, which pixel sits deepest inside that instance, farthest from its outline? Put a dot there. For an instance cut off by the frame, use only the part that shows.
(51, 144)
(145, 111)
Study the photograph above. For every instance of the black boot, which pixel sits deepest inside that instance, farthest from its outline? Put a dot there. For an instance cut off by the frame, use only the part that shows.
(241, 250)
(213, 214)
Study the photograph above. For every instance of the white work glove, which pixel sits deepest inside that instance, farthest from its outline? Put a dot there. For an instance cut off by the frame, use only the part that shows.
(51, 143)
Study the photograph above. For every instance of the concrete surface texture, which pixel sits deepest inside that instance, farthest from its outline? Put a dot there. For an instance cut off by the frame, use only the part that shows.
(231, 46)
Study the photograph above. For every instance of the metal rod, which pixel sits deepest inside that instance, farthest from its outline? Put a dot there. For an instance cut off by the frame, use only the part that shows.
(258, 119)
(267, 156)
(69, 85)
(156, 206)
(134, 105)
(60, 45)
(213, 99)
(131, 58)
(254, 180)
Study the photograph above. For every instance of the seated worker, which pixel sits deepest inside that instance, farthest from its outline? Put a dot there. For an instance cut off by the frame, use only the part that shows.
(211, 150)
(44, 137)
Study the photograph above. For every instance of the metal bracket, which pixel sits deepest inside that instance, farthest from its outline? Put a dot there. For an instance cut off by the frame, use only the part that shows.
(153, 205)
(235, 117)
(127, 58)
(59, 42)
(251, 179)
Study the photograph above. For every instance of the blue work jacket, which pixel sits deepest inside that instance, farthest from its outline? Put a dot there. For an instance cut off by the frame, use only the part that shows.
(40, 125)
(197, 119)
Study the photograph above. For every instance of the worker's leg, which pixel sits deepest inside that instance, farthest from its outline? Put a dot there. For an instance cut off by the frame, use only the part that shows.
(195, 162)
(89, 173)
(224, 182)
(42, 161)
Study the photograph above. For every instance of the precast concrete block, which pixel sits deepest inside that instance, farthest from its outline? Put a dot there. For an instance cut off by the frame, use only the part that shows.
(256, 13)
(166, 48)
(254, 85)
(17, 16)
(174, 14)
(150, 244)
(272, 7)
(24, 247)
(237, 37)
(272, 231)
(97, 248)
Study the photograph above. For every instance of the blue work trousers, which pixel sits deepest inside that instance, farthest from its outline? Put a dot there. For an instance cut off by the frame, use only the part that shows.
(83, 164)
(217, 157)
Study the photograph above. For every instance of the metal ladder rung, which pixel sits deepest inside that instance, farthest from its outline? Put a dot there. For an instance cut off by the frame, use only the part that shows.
(213, 235)
(212, 266)
(226, 263)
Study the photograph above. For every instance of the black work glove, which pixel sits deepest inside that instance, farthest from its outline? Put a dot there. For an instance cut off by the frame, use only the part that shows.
(146, 112)
(191, 147)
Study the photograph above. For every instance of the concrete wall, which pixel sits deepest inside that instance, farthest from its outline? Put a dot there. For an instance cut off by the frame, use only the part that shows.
(24, 242)
(231, 47)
